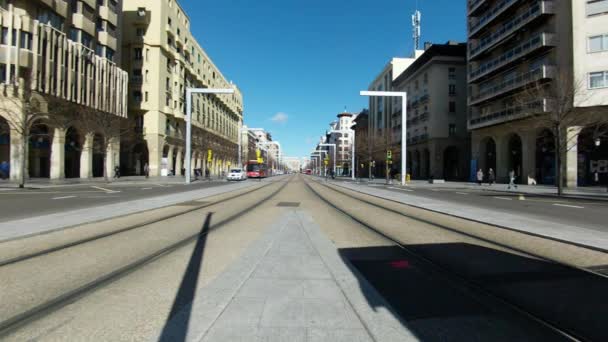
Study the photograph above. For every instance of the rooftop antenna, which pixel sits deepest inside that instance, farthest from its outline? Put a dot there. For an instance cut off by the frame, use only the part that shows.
(416, 18)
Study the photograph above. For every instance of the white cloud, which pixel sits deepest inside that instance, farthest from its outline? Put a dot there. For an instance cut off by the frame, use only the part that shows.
(280, 117)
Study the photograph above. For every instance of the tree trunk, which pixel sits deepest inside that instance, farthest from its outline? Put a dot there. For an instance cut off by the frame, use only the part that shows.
(558, 160)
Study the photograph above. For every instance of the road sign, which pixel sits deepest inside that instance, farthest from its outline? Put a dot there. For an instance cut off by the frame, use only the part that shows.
(326, 161)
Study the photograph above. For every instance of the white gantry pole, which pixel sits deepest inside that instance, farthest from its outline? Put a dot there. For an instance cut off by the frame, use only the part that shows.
(403, 96)
(189, 93)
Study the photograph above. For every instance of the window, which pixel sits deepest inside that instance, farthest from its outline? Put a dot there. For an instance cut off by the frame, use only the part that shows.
(597, 7)
(170, 41)
(452, 130)
(26, 40)
(86, 39)
(169, 22)
(598, 80)
(146, 97)
(110, 54)
(452, 107)
(598, 43)
(137, 96)
(452, 89)
(138, 54)
(140, 31)
(99, 50)
(99, 25)
(452, 73)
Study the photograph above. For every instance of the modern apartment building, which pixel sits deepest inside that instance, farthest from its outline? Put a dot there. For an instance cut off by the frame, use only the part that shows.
(163, 58)
(437, 136)
(59, 57)
(514, 45)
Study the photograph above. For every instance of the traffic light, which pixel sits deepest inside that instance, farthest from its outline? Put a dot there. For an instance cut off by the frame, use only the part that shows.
(389, 155)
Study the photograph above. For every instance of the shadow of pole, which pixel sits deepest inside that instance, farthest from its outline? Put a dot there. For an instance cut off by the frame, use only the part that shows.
(187, 289)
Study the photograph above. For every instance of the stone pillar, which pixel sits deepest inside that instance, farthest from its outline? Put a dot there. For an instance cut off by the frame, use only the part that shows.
(193, 163)
(155, 153)
(528, 158)
(17, 156)
(178, 162)
(86, 157)
(58, 154)
(112, 156)
(170, 159)
(570, 157)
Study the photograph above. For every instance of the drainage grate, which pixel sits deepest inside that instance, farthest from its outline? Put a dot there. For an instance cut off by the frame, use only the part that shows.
(288, 204)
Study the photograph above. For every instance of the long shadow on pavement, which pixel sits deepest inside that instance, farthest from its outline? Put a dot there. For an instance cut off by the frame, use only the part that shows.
(438, 309)
(187, 289)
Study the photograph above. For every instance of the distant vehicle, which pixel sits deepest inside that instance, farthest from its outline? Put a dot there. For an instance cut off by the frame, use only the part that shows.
(236, 174)
(308, 172)
(256, 170)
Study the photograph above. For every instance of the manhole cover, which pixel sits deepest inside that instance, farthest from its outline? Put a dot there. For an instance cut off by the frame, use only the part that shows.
(288, 204)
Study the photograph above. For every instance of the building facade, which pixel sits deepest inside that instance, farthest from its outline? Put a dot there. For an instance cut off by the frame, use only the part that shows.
(341, 135)
(58, 62)
(163, 59)
(516, 45)
(382, 119)
(437, 136)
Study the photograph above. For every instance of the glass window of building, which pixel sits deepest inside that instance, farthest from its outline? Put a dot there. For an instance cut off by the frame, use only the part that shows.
(452, 106)
(110, 54)
(138, 54)
(598, 43)
(598, 80)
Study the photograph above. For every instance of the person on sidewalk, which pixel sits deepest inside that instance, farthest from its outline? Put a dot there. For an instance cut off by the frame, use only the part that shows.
(116, 172)
(207, 174)
(491, 176)
(512, 180)
(146, 170)
(4, 170)
(479, 177)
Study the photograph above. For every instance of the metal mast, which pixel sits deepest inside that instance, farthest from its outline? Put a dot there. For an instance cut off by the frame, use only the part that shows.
(416, 17)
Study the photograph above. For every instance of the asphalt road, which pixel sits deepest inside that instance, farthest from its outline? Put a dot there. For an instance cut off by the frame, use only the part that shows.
(23, 203)
(591, 214)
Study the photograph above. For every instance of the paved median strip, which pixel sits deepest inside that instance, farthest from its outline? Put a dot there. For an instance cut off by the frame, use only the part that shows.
(392, 187)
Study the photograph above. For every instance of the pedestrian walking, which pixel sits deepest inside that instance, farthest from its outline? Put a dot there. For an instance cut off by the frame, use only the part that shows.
(512, 177)
(4, 169)
(117, 171)
(491, 176)
(146, 170)
(207, 174)
(479, 177)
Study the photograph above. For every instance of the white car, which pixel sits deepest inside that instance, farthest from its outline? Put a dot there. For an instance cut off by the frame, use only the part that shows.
(237, 174)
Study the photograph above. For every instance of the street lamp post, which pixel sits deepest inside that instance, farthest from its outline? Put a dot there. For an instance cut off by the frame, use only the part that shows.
(403, 96)
(189, 93)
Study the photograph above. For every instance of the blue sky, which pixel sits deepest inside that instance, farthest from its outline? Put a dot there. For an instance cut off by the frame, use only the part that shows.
(306, 59)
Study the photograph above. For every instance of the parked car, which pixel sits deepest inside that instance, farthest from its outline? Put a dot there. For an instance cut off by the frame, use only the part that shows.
(237, 174)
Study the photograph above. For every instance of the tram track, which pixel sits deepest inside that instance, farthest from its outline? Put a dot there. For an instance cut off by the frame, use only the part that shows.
(364, 209)
(31, 311)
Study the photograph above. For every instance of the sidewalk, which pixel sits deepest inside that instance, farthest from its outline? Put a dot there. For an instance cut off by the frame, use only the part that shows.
(289, 285)
(540, 190)
(539, 227)
(42, 183)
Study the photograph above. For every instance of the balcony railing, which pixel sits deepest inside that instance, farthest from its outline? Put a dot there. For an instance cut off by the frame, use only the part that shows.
(509, 113)
(474, 5)
(490, 15)
(537, 41)
(538, 9)
(520, 80)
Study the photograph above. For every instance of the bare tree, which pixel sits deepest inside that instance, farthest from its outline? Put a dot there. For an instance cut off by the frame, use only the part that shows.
(25, 110)
(112, 128)
(557, 107)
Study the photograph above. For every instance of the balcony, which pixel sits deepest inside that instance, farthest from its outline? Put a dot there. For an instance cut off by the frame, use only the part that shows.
(535, 11)
(490, 15)
(509, 113)
(136, 80)
(474, 5)
(544, 72)
(536, 42)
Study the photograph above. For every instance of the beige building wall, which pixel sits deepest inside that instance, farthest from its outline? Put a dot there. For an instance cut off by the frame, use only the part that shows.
(52, 50)
(163, 59)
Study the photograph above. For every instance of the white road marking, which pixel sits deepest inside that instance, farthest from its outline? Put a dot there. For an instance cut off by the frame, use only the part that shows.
(63, 197)
(462, 193)
(568, 206)
(146, 188)
(104, 189)
(504, 198)
(392, 187)
(435, 190)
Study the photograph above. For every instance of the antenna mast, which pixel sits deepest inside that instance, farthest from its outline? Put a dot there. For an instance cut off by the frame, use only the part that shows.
(416, 17)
